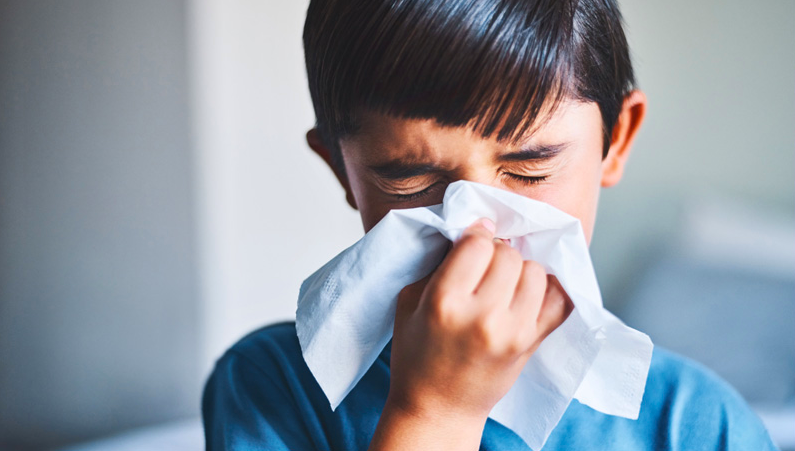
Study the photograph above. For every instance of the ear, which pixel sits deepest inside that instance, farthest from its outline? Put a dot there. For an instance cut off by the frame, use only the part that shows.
(316, 144)
(631, 116)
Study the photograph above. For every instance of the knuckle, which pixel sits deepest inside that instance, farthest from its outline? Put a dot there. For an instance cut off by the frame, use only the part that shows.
(514, 256)
(484, 334)
(514, 346)
(534, 271)
(443, 309)
(507, 254)
(491, 335)
(477, 243)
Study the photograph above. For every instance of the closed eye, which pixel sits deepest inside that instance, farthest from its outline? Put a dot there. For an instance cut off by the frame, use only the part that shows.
(414, 196)
(526, 179)
(529, 180)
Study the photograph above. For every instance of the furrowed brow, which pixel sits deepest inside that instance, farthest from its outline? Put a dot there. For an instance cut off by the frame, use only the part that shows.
(534, 153)
(401, 169)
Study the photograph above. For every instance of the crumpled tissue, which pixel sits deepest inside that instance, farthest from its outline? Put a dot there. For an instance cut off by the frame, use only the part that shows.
(346, 309)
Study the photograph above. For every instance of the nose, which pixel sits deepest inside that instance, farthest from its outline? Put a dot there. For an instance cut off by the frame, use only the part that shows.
(482, 175)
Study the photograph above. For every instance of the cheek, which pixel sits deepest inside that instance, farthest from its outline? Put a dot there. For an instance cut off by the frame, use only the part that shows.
(371, 208)
(588, 200)
(577, 193)
(371, 215)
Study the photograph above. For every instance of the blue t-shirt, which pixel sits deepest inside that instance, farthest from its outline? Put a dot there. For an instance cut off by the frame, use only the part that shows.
(261, 395)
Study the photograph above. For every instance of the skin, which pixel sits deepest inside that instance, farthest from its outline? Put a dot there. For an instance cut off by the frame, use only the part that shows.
(483, 312)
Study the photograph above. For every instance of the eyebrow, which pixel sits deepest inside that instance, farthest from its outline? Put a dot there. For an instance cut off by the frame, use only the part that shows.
(401, 169)
(534, 153)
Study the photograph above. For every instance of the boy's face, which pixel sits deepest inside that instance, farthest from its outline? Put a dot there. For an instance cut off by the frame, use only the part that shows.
(402, 163)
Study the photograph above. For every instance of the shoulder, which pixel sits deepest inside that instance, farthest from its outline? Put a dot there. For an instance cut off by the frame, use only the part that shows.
(271, 356)
(693, 405)
(257, 391)
(677, 376)
(685, 406)
(267, 357)
(275, 344)
(680, 382)
(262, 395)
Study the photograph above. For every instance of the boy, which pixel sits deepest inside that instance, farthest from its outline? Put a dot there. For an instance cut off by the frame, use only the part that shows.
(531, 96)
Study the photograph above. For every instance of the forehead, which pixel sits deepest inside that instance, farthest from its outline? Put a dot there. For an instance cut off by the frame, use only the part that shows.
(381, 137)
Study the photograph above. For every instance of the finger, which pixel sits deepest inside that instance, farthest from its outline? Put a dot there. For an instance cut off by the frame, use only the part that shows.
(556, 308)
(529, 295)
(499, 282)
(463, 267)
(409, 297)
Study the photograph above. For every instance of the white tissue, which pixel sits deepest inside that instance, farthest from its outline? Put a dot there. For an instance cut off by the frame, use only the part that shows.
(346, 309)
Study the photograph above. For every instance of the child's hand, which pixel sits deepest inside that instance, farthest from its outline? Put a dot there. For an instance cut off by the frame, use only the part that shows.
(463, 334)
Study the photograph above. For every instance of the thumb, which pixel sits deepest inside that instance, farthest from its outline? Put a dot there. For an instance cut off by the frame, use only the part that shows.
(409, 297)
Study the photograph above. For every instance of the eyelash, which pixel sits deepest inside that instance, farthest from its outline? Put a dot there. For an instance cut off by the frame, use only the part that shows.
(520, 178)
(527, 179)
(414, 196)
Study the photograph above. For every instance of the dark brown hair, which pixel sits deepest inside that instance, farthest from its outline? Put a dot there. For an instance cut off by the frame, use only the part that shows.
(493, 65)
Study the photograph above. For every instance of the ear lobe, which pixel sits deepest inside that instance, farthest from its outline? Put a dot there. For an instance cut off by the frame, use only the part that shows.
(626, 128)
(316, 144)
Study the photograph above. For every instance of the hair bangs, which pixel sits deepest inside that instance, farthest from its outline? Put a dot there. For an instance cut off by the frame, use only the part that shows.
(492, 66)
(500, 67)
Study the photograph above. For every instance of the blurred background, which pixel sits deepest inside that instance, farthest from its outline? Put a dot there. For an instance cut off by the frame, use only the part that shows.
(158, 201)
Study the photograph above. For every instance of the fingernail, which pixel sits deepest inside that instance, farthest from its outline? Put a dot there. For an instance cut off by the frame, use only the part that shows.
(488, 224)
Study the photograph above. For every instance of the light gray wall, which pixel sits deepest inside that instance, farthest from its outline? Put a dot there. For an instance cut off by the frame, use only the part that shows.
(98, 311)
(719, 75)
(720, 78)
(270, 211)
(102, 326)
